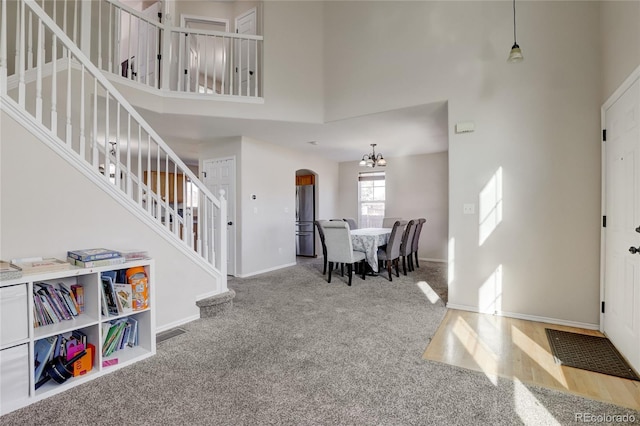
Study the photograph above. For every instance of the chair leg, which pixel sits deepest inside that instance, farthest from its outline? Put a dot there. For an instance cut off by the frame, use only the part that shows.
(389, 269)
(417, 265)
(404, 265)
(410, 262)
(324, 270)
(330, 269)
(342, 269)
(397, 263)
(350, 271)
(363, 267)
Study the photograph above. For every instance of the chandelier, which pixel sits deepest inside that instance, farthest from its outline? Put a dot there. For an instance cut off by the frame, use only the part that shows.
(516, 54)
(373, 159)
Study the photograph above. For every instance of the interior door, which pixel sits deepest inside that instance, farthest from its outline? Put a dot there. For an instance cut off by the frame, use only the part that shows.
(149, 46)
(245, 54)
(621, 317)
(220, 174)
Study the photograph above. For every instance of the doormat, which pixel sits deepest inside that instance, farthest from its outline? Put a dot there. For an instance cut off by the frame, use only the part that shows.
(166, 335)
(591, 353)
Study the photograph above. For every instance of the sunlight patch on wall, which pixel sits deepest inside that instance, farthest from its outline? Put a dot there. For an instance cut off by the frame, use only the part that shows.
(528, 408)
(490, 293)
(490, 209)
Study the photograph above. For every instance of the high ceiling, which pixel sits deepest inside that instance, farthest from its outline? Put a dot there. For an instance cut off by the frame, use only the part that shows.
(414, 130)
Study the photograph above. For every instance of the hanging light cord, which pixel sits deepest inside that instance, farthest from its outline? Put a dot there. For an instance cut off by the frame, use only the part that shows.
(514, 22)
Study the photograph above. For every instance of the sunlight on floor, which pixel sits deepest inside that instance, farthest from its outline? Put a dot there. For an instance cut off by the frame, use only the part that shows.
(538, 354)
(528, 408)
(428, 291)
(481, 353)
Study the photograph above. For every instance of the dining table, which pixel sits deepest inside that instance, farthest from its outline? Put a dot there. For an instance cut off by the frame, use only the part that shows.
(367, 240)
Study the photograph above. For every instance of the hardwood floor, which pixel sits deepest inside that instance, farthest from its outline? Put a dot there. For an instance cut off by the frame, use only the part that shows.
(513, 348)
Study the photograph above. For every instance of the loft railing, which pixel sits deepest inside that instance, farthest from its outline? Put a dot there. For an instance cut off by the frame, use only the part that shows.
(63, 92)
(136, 46)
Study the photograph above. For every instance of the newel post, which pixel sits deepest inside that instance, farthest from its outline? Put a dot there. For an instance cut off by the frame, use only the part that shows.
(223, 239)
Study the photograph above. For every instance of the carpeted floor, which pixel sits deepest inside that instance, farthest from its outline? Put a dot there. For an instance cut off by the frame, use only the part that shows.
(295, 350)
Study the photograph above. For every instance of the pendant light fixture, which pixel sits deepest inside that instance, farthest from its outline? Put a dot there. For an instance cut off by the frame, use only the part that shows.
(373, 159)
(516, 54)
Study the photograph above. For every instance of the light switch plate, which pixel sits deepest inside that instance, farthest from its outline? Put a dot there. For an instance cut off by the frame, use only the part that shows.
(469, 209)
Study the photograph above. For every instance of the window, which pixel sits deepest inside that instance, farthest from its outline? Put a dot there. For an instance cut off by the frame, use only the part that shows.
(371, 196)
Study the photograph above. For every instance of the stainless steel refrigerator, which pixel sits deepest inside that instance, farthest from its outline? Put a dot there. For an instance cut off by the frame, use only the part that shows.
(305, 215)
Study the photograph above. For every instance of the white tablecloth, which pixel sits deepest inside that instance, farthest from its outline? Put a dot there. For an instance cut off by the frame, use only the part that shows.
(368, 240)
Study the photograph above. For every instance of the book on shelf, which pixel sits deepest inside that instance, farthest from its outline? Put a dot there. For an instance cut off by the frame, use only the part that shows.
(96, 263)
(133, 254)
(53, 304)
(42, 353)
(87, 255)
(119, 334)
(124, 295)
(109, 296)
(37, 265)
(78, 293)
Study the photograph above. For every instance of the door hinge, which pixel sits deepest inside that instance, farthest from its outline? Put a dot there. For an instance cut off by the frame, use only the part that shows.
(604, 221)
(602, 308)
(159, 57)
(186, 72)
(204, 174)
(236, 31)
(604, 135)
(160, 16)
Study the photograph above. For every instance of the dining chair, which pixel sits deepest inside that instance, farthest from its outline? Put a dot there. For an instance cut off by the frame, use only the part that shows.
(416, 239)
(340, 248)
(388, 222)
(390, 254)
(352, 223)
(318, 224)
(407, 243)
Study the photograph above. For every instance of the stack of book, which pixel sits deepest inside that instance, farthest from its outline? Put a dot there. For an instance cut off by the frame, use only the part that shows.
(117, 298)
(92, 258)
(55, 303)
(119, 334)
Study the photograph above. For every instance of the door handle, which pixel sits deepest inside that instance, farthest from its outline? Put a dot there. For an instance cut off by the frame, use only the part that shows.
(634, 250)
(229, 223)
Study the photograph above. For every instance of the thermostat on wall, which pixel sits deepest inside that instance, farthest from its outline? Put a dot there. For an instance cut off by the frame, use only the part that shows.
(465, 127)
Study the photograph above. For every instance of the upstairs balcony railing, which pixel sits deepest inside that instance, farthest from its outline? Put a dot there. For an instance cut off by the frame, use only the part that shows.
(70, 101)
(136, 46)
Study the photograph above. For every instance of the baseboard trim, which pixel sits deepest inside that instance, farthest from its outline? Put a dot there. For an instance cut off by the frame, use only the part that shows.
(177, 323)
(427, 259)
(263, 271)
(536, 318)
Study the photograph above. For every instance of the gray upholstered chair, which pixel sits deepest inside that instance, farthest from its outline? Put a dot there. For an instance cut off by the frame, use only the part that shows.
(340, 248)
(352, 223)
(318, 224)
(416, 239)
(390, 254)
(407, 244)
(388, 222)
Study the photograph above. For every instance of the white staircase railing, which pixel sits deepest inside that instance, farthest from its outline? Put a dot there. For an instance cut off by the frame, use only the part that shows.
(53, 82)
(138, 47)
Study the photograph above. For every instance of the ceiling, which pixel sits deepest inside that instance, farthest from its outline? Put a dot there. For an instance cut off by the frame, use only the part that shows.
(414, 130)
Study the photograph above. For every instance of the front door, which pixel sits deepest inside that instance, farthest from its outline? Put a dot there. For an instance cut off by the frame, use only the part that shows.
(220, 173)
(621, 317)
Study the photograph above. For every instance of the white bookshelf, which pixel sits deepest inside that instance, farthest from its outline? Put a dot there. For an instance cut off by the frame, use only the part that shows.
(18, 334)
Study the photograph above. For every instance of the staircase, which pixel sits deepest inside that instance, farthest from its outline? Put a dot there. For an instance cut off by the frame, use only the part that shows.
(54, 90)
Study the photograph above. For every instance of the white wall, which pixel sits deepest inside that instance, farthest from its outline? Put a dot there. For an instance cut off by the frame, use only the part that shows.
(620, 30)
(266, 231)
(416, 186)
(537, 122)
(48, 207)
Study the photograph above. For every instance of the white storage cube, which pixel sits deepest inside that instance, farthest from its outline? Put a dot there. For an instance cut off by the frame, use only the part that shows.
(14, 314)
(14, 371)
